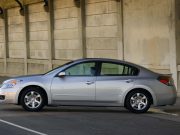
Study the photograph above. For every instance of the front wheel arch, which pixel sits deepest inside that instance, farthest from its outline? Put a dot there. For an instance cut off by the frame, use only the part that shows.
(38, 87)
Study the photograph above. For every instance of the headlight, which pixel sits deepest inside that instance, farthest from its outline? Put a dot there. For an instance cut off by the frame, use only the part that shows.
(10, 83)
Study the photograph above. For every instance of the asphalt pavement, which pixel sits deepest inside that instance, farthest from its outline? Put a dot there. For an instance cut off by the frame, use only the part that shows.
(85, 121)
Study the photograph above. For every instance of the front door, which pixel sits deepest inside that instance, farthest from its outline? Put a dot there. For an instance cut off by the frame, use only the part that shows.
(78, 84)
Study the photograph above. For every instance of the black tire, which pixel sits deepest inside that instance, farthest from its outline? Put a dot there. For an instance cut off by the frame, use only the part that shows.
(29, 107)
(129, 102)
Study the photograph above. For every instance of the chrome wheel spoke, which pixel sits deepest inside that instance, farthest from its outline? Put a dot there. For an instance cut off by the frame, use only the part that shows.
(139, 106)
(142, 103)
(134, 104)
(38, 102)
(144, 97)
(132, 98)
(33, 104)
(32, 93)
(28, 103)
(37, 96)
(26, 97)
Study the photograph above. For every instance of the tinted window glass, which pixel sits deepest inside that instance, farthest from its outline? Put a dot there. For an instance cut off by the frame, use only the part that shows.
(83, 69)
(113, 69)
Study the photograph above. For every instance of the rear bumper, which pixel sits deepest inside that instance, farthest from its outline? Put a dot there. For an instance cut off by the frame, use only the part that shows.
(168, 97)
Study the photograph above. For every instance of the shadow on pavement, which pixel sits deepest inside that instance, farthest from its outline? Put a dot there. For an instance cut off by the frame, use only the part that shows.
(14, 108)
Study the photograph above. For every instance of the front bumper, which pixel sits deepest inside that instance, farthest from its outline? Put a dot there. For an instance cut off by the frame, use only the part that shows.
(8, 95)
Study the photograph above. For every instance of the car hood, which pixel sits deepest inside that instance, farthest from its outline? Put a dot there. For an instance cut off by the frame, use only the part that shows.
(26, 79)
(26, 76)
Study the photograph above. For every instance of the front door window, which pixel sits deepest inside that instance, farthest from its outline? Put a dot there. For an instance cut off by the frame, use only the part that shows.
(83, 69)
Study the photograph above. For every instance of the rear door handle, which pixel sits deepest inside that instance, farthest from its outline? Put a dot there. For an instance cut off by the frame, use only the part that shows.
(129, 80)
(89, 82)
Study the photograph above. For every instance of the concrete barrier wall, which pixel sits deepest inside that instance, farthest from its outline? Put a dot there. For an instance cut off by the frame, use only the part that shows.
(178, 30)
(1, 45)
(15, 34)
(178, 39)
(1, 37)
(38, 32)
(101, 28)
(145, 35)
(66, 34)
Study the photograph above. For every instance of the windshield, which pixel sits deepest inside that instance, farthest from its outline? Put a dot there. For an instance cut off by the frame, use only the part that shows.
(58, 67)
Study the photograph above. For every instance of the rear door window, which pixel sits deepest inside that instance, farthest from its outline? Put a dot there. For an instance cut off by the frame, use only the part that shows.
(116, 69)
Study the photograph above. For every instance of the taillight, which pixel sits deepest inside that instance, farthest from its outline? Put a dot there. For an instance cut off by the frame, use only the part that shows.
(167, 80)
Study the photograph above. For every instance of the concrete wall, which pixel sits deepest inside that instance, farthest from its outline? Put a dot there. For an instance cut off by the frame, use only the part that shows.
(15, 34)
(143, 27)
(12, 3)
(1, 45)
(1, 37)
(15, 41)
(178, 38)
(38, 32)
(66, 34)
(147, 33)
(102, 28)
(178, 30)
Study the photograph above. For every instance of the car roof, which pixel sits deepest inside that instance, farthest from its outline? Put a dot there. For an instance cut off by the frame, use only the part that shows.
(108, 60)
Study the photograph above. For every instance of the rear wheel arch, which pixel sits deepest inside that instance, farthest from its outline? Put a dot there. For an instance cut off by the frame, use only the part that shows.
(34, 86)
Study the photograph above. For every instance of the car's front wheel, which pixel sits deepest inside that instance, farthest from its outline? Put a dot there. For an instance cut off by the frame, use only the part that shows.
(138, 101)
(32, 99)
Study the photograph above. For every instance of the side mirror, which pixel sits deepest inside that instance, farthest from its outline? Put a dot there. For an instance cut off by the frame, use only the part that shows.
(62, 74)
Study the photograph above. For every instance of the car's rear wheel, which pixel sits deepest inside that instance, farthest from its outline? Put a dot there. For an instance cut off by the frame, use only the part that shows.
(32, 99)
(138, 101)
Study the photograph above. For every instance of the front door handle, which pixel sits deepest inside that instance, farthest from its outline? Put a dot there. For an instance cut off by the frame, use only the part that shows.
(129, 80)
(89, 82)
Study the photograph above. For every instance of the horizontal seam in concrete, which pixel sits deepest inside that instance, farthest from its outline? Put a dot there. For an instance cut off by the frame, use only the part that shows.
(101, 14)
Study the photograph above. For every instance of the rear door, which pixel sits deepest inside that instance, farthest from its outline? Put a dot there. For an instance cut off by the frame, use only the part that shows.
(113, 80)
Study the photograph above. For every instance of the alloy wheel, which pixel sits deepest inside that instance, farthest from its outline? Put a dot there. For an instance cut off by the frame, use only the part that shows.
(139, 101)
(32, 99)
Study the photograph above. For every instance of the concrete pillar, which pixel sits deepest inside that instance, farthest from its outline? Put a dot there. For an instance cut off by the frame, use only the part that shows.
(82, 26)
(173, 54)
(120, 24)
(6, 41)
(26, 39)
(51, 33)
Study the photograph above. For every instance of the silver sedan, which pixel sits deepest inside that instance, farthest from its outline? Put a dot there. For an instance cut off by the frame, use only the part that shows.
(91, 82)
